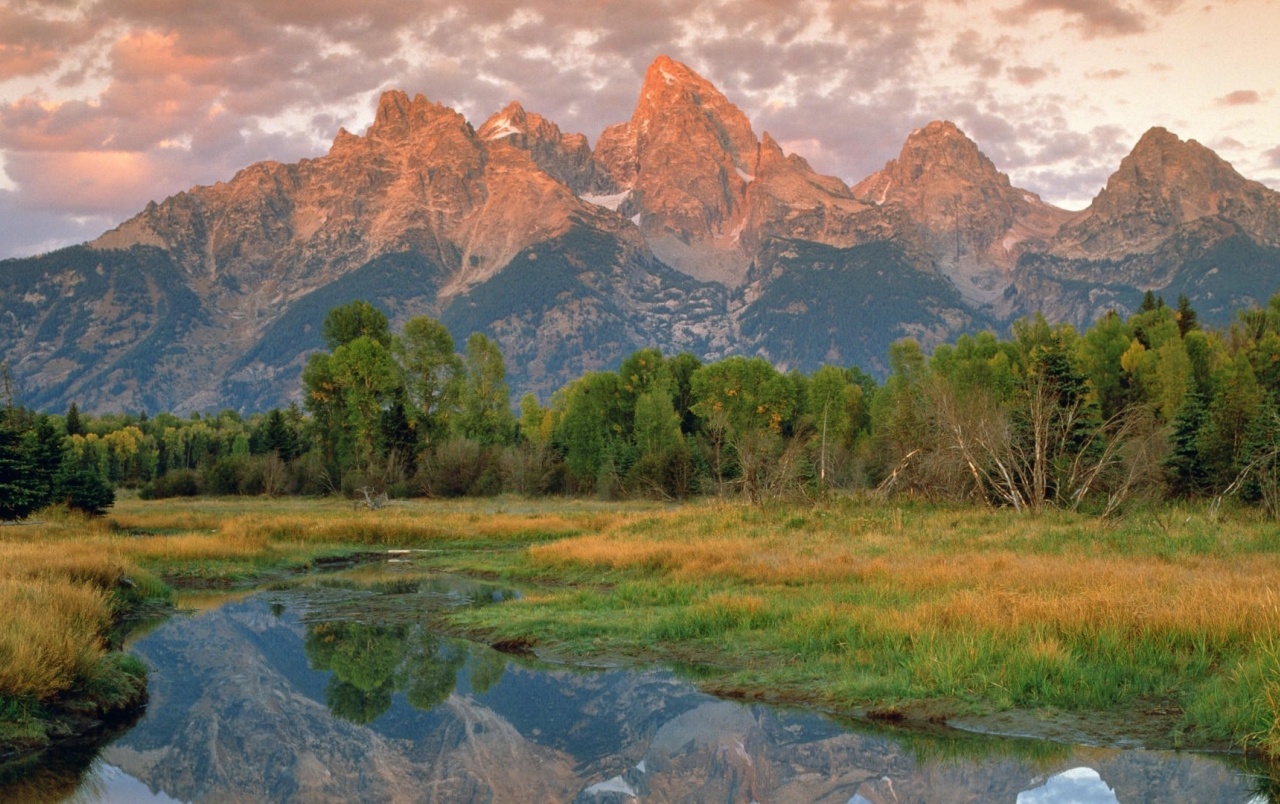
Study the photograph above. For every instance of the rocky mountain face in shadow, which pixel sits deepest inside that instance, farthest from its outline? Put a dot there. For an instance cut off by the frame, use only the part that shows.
(680, 229)
(263, 702)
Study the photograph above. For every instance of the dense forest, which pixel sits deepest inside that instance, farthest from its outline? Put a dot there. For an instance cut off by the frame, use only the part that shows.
(1143, 408)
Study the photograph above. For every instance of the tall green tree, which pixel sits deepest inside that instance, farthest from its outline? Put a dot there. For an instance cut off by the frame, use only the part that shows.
(486, 414)
(1186, 316)
(591, 424)
(74, 425)
(369, 379)
(357, 319)
(279, 436)
(325, 399)
(18, 498)
(829, 404)
(1102, 349)
(433, 376)
(745, 405)
(681, 369)
(1236, 402)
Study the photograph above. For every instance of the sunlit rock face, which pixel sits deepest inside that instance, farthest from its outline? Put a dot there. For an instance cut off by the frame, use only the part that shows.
(680, 229)
(972, 220)
(686, 156)
(1174, 219)
(1160, 187)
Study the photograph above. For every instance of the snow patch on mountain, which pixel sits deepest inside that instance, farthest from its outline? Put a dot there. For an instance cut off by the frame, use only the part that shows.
(607, 201)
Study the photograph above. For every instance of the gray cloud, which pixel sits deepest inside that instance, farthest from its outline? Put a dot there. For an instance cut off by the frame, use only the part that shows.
(1093, 18)
(970, 49)
(1273, 157)
(34, 231)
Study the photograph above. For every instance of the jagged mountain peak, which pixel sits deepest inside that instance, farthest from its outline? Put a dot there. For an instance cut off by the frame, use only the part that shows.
(513, 119)
(565, 157)
(938, 152)
(1162, 184)
(771, 155)
(669, 80)
(940, 131)
(398, 115)
(686, 156)
(968, 213)
(1162, 158)
(672, 88)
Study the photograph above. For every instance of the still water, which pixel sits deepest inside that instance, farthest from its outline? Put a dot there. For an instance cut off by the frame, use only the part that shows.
(339, 690)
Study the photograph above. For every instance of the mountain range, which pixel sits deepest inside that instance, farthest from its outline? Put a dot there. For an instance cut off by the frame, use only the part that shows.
(680, 229)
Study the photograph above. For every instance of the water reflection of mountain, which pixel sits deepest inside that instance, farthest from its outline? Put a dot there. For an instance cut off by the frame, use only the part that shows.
(239, 711)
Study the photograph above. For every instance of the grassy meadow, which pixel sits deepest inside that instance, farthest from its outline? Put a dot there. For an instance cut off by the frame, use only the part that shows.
(900, 611)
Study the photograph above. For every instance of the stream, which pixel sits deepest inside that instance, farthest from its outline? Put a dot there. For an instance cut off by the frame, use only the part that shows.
(337, 689)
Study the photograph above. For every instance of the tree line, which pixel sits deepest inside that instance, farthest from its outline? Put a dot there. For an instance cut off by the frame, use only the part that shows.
(1148, 406)
(39, 467)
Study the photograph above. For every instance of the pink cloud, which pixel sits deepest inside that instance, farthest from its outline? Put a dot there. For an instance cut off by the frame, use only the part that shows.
(1026, 76)
(31, 45)
(98, 181)
(970, 50)
(1241, 97)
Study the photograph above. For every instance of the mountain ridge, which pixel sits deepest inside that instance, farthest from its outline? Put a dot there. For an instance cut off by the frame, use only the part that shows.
(680, 229)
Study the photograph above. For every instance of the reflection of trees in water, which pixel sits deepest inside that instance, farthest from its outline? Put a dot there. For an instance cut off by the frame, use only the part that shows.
(371, 662)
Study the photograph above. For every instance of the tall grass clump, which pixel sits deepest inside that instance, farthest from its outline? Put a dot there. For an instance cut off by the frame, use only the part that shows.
(62, 590)
(51, 637)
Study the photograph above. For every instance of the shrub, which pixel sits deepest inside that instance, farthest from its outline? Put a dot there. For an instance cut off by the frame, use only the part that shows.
(177, 483)
(460, 467)
(226, 475)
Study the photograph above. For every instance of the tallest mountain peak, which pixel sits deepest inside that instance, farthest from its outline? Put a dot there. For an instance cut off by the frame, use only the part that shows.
(686, 156)
(668, 71)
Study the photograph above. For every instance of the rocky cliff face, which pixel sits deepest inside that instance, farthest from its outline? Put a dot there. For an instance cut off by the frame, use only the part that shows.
(685, 157)
(789, 200)
(420, 179)
(1161, 186)
(1174, 218)
(680, 229)
(966, 213)
(566, 158)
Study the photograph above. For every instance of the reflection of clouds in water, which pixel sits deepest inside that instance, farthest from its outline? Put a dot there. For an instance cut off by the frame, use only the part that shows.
(107, 784)
(1076, 786)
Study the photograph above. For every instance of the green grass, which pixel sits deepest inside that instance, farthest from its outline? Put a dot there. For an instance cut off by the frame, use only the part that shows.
(855, 606)
(850, 605)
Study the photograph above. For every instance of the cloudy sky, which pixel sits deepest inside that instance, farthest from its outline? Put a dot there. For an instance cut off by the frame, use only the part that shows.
(108, 104)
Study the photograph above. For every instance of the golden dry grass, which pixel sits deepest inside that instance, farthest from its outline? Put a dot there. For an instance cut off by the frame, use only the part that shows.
(242, 527)
(57, 607)
(50, 637)
(948, 602)
(985, 586)
(56, 585)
